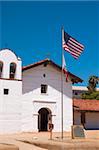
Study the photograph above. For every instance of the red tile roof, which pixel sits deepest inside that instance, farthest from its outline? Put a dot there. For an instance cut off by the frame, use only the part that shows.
(86, 105)
(73, 77)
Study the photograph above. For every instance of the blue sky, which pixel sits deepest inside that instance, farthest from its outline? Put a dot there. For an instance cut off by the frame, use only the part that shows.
(33, 31)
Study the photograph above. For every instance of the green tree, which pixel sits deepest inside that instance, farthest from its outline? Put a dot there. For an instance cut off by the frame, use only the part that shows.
(92, 83)
(92, 93)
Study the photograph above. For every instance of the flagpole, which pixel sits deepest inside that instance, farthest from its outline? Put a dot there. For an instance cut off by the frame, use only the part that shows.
(62, 36)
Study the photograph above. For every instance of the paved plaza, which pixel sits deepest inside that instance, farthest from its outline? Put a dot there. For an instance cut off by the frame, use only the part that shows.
(41, 141)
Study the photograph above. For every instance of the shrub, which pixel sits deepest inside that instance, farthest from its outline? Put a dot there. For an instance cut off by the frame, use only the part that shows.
(93, 95)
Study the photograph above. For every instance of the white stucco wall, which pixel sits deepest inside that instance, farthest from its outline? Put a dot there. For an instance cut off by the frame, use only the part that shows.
(10, 106)
(33, 100)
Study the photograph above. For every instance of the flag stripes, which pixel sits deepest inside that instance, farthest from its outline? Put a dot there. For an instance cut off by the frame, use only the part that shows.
(72, 46)
(70, 50)
(75, 41)
(75, 45)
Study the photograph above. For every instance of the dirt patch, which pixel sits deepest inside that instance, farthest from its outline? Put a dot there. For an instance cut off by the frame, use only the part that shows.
(66, 145)
(5, 146)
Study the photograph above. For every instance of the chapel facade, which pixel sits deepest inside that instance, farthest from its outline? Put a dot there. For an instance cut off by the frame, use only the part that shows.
(30, 96)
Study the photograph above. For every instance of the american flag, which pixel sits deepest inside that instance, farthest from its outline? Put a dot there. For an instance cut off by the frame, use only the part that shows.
(72, 46)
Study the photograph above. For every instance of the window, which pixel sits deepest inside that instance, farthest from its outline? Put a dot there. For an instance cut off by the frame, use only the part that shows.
(43, 88)
(1, 68)
(6, 91)
(12, 70)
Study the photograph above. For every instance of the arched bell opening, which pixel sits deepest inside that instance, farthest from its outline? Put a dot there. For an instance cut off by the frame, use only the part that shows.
(1, 68)
(12, 70)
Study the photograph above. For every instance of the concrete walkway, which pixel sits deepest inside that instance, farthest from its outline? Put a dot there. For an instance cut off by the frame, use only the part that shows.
(33, 141)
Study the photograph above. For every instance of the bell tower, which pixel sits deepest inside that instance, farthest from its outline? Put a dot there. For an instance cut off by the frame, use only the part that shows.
(10, 91)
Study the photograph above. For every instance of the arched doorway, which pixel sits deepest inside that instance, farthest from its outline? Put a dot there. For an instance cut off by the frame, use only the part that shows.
(43, 118)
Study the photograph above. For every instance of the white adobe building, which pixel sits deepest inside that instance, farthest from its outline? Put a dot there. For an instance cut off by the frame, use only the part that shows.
(86, 111)
(30, 100)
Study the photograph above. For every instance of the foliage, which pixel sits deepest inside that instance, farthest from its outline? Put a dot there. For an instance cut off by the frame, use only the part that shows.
(92, 83)
(92, 93)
